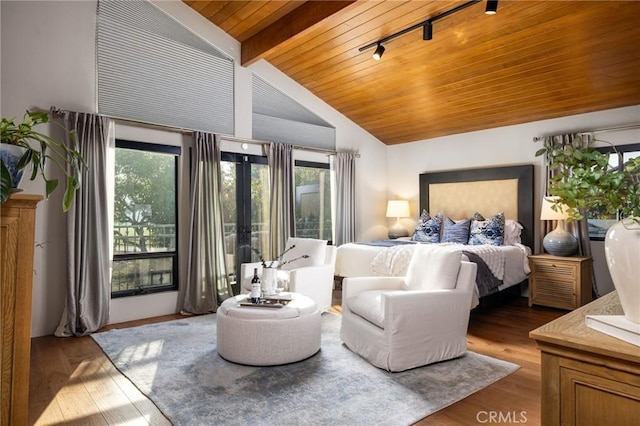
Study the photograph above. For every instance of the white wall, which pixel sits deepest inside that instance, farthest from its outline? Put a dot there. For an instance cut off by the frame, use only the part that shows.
(48, 58)
(503, 146)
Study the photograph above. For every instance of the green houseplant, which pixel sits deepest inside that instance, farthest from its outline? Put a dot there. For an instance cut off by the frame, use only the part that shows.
(37, 150)
(585, 180)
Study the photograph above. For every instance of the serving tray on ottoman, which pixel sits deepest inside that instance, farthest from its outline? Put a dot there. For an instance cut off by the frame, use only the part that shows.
(267, 302)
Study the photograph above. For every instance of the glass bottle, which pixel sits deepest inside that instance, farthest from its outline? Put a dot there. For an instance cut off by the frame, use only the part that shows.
(255, 287)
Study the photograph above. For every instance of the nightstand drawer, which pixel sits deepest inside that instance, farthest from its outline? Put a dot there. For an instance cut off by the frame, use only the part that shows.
(556, 271)
(553, 293)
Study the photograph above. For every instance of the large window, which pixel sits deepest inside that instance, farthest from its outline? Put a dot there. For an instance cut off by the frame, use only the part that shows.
(599, 222)
(145, 219)
(313, 200)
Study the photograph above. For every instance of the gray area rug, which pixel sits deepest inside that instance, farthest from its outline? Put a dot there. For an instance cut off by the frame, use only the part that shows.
(176, 365)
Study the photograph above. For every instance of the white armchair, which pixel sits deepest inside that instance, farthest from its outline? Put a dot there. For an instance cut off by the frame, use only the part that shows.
(398, 323)
(312, 276)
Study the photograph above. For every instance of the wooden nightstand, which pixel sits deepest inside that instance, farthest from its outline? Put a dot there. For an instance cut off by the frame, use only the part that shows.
(560, 282)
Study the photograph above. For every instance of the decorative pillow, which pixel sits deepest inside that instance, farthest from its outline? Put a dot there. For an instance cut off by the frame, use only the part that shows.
(428, 229)
(315, 249)
(487, 231)
(433, 267)
(456, 232)
(512, 231)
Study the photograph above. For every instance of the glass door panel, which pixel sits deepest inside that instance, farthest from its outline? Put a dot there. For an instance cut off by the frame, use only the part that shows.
(259, 203)
(245, 192)
(229, 212)
(313, 200)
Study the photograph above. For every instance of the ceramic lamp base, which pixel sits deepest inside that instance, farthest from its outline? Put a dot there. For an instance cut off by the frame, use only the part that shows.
(560, 242)
(397, 231)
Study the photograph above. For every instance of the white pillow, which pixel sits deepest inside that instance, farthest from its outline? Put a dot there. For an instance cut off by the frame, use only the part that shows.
(512, 231)
(315, 249)
(433, 267)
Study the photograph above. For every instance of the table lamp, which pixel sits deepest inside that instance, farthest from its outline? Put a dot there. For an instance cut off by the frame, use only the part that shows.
(397, 209)
(558, 242)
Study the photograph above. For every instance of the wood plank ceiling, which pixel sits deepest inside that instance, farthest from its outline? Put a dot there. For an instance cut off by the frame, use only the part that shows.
(531, 61)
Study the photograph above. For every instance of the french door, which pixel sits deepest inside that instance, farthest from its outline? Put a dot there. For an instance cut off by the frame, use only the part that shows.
(245, 200)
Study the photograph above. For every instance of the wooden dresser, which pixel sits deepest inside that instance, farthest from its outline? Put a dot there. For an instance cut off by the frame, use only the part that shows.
(588, 377)
(16, 258)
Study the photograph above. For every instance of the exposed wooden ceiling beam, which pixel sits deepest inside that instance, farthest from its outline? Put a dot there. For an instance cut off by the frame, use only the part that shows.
(294, 23)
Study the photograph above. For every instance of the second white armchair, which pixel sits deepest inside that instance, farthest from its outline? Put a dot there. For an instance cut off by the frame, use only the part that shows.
(312, 276)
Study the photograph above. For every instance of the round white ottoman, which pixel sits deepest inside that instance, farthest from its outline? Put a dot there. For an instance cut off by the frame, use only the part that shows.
(268, 336)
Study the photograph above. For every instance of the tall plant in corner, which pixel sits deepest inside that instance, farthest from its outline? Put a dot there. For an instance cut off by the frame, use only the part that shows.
(38, 150)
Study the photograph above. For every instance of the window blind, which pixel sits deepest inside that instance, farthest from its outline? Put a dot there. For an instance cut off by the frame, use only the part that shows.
(276, 117)
(153, 69)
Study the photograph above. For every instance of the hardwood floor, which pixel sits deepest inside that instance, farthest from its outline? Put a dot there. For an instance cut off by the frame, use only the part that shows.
(73, 383)
(503, 332)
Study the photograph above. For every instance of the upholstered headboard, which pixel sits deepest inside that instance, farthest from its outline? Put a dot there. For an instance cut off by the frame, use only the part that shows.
(460, 193)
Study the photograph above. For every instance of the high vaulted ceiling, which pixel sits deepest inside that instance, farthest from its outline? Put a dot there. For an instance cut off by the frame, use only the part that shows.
(531, 61)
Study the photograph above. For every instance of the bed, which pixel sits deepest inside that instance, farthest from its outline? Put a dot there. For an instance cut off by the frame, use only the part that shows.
(459, 194)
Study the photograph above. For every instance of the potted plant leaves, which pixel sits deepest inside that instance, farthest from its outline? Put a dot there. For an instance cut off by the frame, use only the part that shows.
(22, 146)
(585, 180)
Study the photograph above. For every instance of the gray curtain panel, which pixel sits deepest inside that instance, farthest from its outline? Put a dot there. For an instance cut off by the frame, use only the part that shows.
(344, 165)
(207, 283)
(579, 228)
(282, 203)
(89, 227)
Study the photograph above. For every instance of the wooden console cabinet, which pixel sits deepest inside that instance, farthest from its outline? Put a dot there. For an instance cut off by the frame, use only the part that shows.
(17, 242)
(588, 377)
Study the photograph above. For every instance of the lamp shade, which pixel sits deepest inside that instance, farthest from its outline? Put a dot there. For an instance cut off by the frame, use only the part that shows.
(548, 213)
(398, 208)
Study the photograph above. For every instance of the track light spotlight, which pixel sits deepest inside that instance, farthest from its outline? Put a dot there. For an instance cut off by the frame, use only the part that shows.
(378, 53)
(492, 7)
(427, 26)
(427, 31)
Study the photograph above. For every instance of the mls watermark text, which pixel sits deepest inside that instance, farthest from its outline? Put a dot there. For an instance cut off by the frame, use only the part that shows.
(505, 417)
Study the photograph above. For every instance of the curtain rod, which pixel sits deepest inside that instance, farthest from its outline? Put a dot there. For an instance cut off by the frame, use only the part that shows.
(57, 111)
(607, 129)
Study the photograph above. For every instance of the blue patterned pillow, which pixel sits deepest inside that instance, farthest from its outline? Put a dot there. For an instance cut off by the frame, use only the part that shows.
(487, 231)
(428, 229)
(456, 232)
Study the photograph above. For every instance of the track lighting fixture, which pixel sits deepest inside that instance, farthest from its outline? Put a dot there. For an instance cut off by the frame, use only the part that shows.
(427, 31)
(427, 26)
(492, 7)
(378, 53)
